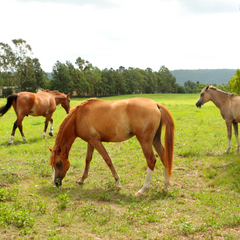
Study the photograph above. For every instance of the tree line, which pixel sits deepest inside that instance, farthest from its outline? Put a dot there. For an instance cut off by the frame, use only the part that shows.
(19, 70)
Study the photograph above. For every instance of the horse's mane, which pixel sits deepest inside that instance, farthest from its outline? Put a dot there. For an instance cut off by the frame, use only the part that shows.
(65, 120)
(54, 92)
(221, 91)
(60, 129)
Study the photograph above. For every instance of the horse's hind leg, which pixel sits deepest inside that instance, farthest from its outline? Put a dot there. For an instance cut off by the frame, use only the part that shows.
(88, 160)
(20, 127)
(17, 123)
(235, 126)
(151, 161)
(229, 130)
(13, 132)
(101, 149)
(160, 151)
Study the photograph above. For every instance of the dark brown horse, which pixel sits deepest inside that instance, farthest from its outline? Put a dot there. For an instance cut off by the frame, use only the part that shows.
(229, 105)
(35, 104)
(96, 121)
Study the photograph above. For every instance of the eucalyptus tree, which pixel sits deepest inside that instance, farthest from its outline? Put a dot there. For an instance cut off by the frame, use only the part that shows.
(15, 61)
(61, 78)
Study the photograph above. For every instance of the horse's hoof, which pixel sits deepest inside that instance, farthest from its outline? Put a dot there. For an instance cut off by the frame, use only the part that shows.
(118, 188)
(50, 134)
(80, 183)
(10, 143)
(138, 194)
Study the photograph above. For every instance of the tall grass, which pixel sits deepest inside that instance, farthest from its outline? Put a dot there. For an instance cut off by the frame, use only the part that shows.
(201, 203)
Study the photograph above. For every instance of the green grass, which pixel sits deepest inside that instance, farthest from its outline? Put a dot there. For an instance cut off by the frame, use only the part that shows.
(201, 203)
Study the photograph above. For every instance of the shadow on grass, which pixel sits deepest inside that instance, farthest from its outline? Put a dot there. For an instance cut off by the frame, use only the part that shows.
(18, 142)
(97, 194)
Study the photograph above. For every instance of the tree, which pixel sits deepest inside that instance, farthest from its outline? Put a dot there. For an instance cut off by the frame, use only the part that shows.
(234, 82)
(61, 78)
(16, 61)
(93, 76)
(190, 84)
(40, 76)
(169, 81)
(27, 79)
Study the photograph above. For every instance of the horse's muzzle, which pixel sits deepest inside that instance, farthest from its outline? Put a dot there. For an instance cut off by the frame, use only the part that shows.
(198, 104)
(58, 182)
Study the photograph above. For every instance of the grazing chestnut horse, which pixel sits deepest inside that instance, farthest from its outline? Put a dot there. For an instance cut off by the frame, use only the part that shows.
(229, 105)
(35, 104)
(96, 121)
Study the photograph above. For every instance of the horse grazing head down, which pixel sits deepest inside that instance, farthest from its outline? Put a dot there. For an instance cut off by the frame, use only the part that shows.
(66, 103)
(60, 165)
(204, 97)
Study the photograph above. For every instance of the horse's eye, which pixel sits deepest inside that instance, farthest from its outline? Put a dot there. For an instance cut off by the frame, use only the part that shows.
(59, 164)
(202, 94)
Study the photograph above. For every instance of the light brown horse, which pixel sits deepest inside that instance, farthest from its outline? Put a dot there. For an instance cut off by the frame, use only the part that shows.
(35, 104)
(96, 121)
(229, 105)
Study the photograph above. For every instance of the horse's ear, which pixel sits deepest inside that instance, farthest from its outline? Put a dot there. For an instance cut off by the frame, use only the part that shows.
(68, 94)
(50, 149)
(207, 87)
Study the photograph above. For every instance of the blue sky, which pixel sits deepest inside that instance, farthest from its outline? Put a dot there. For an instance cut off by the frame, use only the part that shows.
(180, 34)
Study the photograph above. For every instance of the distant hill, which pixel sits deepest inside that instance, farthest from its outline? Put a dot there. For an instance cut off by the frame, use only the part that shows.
(206, 76)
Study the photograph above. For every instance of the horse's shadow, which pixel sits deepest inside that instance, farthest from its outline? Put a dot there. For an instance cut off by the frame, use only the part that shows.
(18, 142)
(98, 194)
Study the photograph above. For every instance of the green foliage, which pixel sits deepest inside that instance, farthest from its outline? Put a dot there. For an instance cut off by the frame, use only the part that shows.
(19, 69)
(63, 201)
(234, 83)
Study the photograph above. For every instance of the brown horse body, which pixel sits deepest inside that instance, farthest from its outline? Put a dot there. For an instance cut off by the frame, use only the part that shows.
(97, 121)
(35, 104)
(229, 106)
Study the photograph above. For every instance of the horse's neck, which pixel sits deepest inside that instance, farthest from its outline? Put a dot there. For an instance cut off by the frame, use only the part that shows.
(66, 136)
(58, 98)
(218, 98)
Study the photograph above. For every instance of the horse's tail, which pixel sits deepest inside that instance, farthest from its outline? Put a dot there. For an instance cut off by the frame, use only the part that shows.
(167, 121)
(5, 108)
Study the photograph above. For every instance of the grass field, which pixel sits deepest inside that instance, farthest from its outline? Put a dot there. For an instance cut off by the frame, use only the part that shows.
(203, 201)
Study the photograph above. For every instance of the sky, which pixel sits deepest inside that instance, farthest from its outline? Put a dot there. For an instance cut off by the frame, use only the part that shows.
(179, 34)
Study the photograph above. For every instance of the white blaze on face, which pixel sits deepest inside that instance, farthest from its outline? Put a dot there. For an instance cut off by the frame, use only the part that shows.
(53, 175)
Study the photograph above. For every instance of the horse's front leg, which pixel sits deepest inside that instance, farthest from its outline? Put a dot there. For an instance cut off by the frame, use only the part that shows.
(88, 160)
(100, 148)
(48, 117)
(229, 130)
(235, 127)
(51, 127)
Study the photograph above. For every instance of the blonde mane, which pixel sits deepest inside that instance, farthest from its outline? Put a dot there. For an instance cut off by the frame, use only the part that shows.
(221, 91)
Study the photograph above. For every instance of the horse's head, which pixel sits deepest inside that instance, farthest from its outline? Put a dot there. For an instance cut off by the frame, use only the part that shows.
(66, 103)
(60, 165)
(204, 97)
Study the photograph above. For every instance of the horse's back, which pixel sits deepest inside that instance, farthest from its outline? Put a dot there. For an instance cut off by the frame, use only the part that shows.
(35, 104)
(119, 120)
